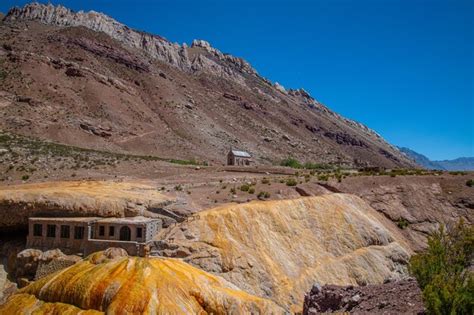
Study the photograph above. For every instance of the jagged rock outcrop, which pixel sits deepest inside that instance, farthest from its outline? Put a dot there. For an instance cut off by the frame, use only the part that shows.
(109, 284)
(392, 297)
(76, 198)
(32, 264)
(277, 249)
(152, 45)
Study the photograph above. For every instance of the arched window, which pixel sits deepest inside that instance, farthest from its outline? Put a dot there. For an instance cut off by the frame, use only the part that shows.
(125, 233)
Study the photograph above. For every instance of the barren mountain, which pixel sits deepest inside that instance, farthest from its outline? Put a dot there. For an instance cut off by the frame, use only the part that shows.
(85, 79)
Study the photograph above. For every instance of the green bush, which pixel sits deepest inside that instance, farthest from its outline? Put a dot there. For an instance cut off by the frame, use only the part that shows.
(25, 177)
(265, 181)
(291, 162)
(323, 177)
(245, 187)
(442, 271)
(402, 223)
(470, 183)
(291, 182)
(263, 195)
(3, 74)
(251, 190)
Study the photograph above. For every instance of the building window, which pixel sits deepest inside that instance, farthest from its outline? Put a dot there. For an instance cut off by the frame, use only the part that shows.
(101, 230)
(139, 232)
(111, 230)
(78, 232)
(51, 230)
(65, 231)
(37, 230)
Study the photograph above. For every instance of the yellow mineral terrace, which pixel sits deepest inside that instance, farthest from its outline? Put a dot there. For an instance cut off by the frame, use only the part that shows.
(278, 249)
(132, 285)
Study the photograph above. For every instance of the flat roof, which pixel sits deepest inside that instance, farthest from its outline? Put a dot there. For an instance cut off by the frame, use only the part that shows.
(66, 219)
(126, 220)
(240, 153)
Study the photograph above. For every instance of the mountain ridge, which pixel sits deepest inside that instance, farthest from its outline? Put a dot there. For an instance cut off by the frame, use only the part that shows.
(203, 101)
(458, 164)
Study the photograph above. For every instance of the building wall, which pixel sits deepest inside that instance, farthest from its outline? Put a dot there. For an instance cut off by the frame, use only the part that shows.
(92, 241)
(235, 160)
(67, 245)
(149, 230)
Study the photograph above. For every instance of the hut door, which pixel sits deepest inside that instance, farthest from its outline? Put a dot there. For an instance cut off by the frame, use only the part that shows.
(125, 233)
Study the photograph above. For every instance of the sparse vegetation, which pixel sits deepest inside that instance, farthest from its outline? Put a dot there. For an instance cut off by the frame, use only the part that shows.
(470, 183)
(263, 195)
(317, 166)
(251, 190)
(27, 151)
(291, 182)
(294, 163)
(402, 223)
(457, 173)
(265, 181)
(245, 187)
(291, 162)
(178, 187)
(25, 177)
(443, 271)
(323, 177)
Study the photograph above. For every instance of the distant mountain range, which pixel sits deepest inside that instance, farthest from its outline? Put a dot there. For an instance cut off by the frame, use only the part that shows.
(459, 164)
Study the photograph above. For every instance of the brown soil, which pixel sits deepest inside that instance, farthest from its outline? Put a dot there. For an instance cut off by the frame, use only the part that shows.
(396, 297)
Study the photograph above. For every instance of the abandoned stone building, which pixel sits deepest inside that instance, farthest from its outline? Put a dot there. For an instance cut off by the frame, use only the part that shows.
(236, 157)
(90, 234)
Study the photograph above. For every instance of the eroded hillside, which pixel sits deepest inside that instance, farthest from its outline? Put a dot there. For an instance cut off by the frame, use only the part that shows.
(278, 249)
(109, 283)
(87, 80)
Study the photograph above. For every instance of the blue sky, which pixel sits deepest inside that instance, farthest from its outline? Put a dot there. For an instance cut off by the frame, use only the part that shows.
(403, 68)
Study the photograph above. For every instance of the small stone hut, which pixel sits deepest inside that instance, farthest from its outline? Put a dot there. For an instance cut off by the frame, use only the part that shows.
(237, 157)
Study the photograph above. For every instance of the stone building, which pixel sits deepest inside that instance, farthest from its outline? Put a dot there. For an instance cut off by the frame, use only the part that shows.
(236, 157)
(90, 234)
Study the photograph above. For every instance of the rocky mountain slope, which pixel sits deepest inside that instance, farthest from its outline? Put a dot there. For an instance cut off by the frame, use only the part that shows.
(109, 282)
(277, 249)
(87, 80)
(459, 164)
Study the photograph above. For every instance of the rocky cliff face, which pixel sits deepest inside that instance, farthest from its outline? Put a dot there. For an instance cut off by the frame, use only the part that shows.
(131, 91)
(278, 249)
(108, 282)
(154, 46)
